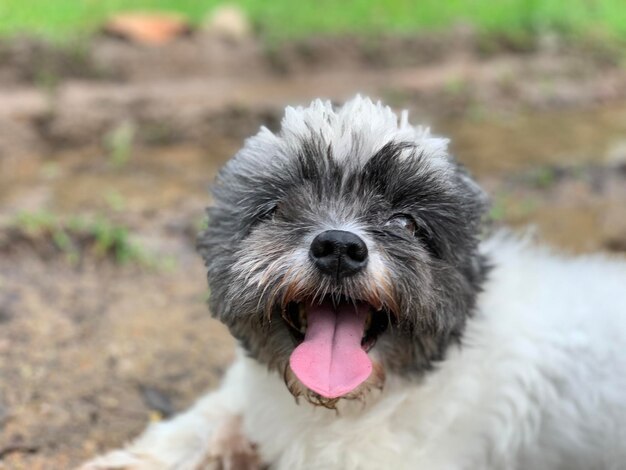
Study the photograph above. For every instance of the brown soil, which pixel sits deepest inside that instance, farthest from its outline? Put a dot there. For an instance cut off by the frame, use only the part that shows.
(91, 350)
(199, 88)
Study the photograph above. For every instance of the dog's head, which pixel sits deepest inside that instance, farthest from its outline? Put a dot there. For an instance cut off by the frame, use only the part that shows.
(343, 248)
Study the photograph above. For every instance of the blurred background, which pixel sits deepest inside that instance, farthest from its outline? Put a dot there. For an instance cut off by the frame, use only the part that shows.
(115, 116)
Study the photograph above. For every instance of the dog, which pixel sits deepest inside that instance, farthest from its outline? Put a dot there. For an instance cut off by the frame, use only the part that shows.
(379, 326)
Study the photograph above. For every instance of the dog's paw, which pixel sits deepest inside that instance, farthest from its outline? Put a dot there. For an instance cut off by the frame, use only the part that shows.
(225, 449)
(121, 460)
(229, 449)
(239, 460)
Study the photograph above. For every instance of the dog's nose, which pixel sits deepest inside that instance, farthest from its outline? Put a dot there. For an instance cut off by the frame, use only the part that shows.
(338, 253)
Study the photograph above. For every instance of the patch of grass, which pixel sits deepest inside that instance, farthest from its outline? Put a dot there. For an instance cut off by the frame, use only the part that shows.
(113, 239)
(497, 211)
(119, 144)
(115, 200)
(287, 19)
(506, 207)
(35, 222)
(543, 177)
(77, 236)
(455, 86)
(200, 224)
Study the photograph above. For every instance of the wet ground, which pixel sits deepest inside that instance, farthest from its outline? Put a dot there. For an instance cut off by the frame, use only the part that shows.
(91, 349)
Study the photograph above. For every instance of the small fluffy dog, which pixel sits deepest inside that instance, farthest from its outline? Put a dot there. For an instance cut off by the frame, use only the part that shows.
(377, 330)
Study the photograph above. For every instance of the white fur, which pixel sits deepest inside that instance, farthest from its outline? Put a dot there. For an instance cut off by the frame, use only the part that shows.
(356, 130)
(539, 383)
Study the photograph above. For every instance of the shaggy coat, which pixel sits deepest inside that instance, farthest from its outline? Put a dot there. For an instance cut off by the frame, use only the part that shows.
(487, 352)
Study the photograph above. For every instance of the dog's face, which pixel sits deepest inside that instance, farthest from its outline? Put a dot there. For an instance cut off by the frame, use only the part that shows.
(344, 248)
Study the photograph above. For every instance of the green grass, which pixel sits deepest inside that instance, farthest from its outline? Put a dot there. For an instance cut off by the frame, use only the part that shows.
(119, 144)
(75, 235)
(279, 19)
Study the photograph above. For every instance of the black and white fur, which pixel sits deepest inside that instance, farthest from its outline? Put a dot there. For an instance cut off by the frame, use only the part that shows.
(495, 355)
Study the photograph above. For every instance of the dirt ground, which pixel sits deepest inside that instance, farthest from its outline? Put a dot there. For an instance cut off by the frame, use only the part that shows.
(92, 350)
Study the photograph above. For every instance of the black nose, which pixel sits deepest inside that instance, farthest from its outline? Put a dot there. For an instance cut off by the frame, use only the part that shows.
(338, 253)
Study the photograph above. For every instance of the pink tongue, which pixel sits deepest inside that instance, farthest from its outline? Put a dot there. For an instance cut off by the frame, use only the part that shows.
(331, 361)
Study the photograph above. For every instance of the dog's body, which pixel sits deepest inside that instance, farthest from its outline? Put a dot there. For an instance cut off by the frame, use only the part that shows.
(521, 365)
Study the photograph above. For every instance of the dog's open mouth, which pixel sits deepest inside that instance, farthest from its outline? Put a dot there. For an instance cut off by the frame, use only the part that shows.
(334, 337)
(376, 321)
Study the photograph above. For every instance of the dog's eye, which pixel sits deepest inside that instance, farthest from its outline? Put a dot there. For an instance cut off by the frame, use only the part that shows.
(267, 213)
(405, 224)
(402, 222)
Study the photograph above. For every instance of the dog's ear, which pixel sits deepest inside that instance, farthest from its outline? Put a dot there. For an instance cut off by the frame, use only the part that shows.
(474, 191)
(473, 198)
(476, 203)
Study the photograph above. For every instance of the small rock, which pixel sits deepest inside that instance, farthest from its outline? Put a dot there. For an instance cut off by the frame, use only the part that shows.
(228, 22)
(153, 28)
